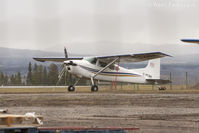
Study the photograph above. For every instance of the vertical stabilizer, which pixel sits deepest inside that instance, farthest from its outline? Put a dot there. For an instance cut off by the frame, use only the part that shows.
(153, 69)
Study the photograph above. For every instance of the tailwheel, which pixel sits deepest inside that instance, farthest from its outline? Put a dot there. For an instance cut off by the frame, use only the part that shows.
(94, 88)
(71, 88)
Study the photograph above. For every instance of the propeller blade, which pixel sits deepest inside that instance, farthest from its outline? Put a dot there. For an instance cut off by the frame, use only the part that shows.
(65, 52)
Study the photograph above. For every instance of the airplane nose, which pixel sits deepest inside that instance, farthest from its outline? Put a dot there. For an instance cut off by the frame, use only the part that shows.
(68, 68)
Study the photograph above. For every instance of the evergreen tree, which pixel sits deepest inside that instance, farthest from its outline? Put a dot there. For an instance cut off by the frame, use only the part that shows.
(5, 80)
(18, 79)
(12, 80)
(41, 77)
(53, 74)
(1, 78)
(29, 75)
(45, 76)
(35, 75)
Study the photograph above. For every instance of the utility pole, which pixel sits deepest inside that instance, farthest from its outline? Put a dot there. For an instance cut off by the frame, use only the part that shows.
(153, 87)
(121, 86)
(187, 80)
(137, 87)
(170, 78)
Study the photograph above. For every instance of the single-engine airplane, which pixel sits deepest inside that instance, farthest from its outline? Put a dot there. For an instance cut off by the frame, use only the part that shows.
(106, 68)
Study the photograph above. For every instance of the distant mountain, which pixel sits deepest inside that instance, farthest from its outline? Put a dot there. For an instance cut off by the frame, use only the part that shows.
(16, 60)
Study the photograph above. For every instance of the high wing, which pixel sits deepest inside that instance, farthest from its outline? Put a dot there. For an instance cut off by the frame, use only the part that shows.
(56, 59)
(107, 59)
(132, 57)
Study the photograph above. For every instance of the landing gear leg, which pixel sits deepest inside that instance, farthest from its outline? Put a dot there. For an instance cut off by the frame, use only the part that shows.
(72, 87)
(94, 88)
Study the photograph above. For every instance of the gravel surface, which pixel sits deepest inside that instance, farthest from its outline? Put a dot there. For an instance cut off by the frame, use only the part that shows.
(155, 113)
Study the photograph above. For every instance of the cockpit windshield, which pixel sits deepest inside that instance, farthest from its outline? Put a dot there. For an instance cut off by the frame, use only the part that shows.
(92, 60)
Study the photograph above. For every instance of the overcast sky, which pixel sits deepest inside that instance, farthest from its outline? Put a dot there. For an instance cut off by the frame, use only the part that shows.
(100, 26)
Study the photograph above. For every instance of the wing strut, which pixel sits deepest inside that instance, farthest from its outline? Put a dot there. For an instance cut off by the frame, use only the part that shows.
(103, 69)
(115, 81)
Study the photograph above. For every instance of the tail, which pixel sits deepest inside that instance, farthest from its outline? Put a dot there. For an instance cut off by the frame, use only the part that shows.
(152, 70)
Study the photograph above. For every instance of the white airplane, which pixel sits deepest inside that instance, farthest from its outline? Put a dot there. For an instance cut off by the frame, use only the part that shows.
(106, 68)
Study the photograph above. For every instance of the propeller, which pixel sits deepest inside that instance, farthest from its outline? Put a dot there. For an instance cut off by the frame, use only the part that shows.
(64, 69)
(64, 66)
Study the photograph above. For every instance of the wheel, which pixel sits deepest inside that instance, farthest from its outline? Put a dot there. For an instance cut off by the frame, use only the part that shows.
(71, 88)
(94, 88)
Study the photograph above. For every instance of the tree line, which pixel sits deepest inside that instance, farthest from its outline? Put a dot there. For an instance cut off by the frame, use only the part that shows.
(14, 79)
(38, 75)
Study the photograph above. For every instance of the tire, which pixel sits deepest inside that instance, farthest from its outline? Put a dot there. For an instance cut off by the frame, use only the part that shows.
(71, 88)
(94, 88)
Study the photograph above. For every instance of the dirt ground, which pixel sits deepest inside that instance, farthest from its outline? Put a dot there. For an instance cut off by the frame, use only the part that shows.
(165, 113)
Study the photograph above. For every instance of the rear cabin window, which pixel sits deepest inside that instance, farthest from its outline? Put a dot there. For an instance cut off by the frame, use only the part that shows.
(102, 64)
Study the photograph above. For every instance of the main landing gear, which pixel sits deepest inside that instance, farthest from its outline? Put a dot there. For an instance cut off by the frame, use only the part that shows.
(94, 88)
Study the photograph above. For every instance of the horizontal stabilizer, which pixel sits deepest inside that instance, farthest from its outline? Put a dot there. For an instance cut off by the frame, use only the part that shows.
(159, 81)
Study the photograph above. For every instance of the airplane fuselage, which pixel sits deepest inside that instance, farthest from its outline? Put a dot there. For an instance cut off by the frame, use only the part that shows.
(86, 69)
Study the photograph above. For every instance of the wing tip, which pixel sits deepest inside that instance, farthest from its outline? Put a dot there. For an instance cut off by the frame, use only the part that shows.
(167, 55)
(37, 59)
